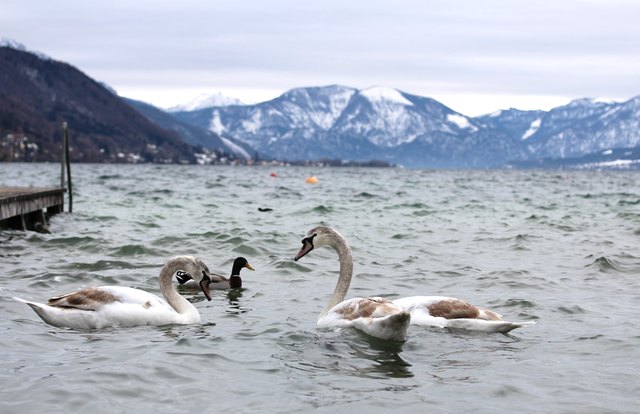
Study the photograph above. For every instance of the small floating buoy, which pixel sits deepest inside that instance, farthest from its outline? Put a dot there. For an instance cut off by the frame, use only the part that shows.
(312, 180)
(274, 174)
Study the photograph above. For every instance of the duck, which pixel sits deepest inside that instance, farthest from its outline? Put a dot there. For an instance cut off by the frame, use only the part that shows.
(119, 306)
(218, 282)
(375, 316)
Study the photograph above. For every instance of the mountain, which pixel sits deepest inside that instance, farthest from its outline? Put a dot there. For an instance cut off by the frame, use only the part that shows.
(193, 135)
(206, 101)
(584, 133)
(586, 126)
(394, 126)
(375, 123)
(38, 94)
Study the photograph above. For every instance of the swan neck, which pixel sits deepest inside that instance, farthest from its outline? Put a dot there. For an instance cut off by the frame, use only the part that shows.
(341, 246)
(175, 299)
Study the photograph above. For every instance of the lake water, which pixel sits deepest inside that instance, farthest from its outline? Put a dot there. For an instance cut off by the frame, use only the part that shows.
(558, 247)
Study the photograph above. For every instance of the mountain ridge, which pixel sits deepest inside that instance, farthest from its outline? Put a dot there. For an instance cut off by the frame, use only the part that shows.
(401, 128)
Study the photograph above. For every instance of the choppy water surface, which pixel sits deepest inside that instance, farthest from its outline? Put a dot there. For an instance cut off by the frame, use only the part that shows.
(561, 248)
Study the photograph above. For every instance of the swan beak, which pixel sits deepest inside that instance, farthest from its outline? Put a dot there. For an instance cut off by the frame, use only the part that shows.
(248, 266)
(306, 248)
(204, 285)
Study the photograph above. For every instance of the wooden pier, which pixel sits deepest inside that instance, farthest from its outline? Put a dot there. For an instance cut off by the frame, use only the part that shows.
(29, 208)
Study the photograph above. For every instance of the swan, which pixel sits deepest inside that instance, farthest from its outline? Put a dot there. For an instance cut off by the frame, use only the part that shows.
(375, 316)
(118, 306)
(218, 282)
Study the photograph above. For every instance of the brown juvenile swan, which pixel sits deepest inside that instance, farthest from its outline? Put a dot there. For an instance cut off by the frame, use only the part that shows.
(375, 316)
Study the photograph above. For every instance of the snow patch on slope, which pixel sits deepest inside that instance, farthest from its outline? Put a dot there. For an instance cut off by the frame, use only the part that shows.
(460, 121)
(216, 123)
(533, 128)
(236, 149)
(381, 94)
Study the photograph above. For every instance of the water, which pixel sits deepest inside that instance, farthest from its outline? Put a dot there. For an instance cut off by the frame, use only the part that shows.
(557, 247)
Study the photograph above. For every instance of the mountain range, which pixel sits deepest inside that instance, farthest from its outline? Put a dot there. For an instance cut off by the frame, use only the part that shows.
(388, 124)
(337, 122)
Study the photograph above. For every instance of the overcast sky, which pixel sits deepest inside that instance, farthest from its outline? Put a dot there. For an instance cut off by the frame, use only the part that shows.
(474, 56)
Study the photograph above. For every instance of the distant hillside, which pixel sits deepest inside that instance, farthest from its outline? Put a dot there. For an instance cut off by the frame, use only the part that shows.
(612, 159)
(192, 134)
(37, 94)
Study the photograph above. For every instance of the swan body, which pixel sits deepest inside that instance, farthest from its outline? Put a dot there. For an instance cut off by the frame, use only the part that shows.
(375, 316)
(117, 306)
(445, 312)
(218, 282)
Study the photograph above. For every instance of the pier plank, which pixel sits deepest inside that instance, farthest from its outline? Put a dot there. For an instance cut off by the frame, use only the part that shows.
(22, 204)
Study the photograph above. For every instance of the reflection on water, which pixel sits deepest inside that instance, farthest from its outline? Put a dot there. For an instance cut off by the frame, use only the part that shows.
(235, 307)
(385, 356)
(346, 352)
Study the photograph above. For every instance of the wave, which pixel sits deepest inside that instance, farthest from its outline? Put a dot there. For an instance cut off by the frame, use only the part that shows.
(606, 264)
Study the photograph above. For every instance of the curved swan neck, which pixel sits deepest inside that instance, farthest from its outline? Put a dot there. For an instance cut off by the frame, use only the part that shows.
(341, 246)
(177, 301)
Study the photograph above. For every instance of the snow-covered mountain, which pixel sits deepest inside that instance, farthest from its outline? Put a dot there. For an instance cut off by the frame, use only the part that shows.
(341, 122)
(583, 127)
(586, 126)
(387, 124)
(206, 100)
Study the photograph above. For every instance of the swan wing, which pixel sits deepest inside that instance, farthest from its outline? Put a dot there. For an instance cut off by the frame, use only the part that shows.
(446, 312)
(94, 298)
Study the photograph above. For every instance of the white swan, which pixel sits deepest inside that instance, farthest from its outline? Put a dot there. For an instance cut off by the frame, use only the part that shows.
(218, 282)
(375, 316)
(117, 306)
(445, 312)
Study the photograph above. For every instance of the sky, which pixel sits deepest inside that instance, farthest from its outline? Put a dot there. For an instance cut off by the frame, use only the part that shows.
(474, 56)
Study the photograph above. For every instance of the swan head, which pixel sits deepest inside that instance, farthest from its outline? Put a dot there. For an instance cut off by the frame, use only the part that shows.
(319, 237)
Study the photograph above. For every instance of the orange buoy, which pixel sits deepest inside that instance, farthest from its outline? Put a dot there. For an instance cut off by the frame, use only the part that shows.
(274, 174)
(312, 180)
